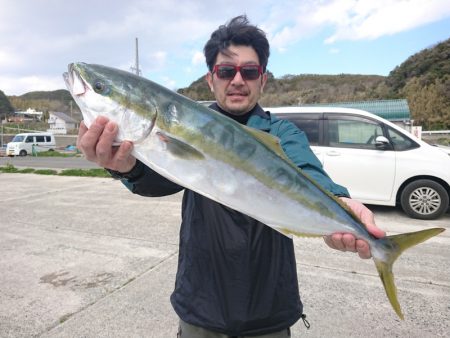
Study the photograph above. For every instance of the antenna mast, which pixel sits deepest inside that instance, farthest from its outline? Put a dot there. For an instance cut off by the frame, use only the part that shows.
(136, 69)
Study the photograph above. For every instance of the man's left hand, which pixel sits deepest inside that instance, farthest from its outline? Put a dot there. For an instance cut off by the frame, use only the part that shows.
(347, 241)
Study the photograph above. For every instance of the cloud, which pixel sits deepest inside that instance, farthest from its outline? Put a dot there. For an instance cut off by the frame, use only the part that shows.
(351, 19)
(168, 82)
(358, 20)
(36, 82)
(198, 58)
(157, 60)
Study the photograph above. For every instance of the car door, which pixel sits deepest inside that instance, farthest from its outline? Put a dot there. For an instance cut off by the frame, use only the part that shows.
(311, 124)
(351, 158)
(28, 145)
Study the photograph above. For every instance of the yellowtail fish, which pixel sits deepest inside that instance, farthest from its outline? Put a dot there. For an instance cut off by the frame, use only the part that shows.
(237, 166)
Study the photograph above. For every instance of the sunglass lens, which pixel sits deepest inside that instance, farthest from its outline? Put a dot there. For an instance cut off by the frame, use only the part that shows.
(226, 72)
(250, 73)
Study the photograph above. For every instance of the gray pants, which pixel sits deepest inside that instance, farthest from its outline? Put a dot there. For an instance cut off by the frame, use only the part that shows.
(190, 331)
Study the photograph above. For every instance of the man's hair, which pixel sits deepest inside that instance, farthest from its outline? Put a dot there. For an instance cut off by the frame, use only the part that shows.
(237, 32)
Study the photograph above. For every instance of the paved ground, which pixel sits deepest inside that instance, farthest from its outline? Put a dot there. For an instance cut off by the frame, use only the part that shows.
(83, 257)
(48, 162)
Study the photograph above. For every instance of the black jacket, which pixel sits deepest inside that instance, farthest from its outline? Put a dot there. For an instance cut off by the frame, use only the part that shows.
(236, 275)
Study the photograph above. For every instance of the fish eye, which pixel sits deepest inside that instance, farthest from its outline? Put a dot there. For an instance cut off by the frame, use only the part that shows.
(100, 87)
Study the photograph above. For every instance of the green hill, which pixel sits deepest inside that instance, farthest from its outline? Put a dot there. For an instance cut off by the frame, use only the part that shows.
(47, 101)
(424, 80)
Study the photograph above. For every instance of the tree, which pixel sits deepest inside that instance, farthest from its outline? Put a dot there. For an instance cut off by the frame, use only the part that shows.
(5, 106)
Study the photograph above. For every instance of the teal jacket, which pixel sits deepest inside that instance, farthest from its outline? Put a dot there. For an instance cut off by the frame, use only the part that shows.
(236, 275)
(296, 146)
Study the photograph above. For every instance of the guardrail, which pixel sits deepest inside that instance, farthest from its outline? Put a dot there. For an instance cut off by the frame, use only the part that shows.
(435, 132)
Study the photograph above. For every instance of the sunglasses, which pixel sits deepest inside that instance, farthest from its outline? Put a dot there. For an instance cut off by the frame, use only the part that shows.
(228, 72)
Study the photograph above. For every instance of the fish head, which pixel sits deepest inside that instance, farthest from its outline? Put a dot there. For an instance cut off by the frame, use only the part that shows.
(116, 94)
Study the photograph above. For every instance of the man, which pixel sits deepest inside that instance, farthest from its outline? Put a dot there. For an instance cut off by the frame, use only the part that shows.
(236, 276)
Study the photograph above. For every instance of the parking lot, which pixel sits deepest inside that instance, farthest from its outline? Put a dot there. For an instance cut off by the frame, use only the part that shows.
(83, 257)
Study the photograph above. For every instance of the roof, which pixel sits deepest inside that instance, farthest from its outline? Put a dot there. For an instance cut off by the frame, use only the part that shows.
(64, 117)
(392, 110)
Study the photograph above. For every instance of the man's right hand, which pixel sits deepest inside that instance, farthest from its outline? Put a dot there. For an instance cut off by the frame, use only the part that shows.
(96, 143)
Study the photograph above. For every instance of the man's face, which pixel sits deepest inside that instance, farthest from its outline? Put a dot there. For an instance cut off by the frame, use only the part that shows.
(237, 96)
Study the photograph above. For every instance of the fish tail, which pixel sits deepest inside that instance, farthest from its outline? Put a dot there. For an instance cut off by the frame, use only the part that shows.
(393, 248)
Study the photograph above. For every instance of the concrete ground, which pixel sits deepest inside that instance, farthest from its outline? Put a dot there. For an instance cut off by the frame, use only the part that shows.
(83, 257)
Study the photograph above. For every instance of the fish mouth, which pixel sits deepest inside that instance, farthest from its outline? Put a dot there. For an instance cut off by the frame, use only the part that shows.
(74, 81)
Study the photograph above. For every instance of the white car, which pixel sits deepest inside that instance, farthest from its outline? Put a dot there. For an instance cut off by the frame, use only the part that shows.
(377, 161)
(27, 143)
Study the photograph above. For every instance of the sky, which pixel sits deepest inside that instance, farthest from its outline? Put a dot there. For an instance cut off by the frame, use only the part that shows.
(39, 38)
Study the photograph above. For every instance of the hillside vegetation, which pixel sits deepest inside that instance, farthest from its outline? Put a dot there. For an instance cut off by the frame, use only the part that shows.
(423, 79)
(46, 101)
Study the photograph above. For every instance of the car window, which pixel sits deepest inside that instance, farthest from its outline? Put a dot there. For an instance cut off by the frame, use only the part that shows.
(29, 139)
(17, 138)
(40, 138)
(400, 141)
(311, 128)
(309, 123)
(350, 132)
(47, 139)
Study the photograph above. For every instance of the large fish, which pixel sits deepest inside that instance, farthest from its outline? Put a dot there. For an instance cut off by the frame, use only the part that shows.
(240, 167)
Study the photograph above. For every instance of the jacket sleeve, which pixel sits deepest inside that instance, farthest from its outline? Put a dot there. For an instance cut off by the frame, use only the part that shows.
(147, 182)
(296, 146)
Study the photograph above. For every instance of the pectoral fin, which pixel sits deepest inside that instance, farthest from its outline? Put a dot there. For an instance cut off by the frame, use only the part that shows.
(180, 149)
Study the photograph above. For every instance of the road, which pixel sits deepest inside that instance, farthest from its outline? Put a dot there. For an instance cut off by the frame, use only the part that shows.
(83, 257)
(78, 162)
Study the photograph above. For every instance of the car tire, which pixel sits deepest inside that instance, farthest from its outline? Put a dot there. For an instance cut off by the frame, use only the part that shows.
(424, 199)
(23, 153)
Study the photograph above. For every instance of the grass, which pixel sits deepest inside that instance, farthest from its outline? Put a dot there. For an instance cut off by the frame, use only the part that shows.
(55, 153)
(97, 172)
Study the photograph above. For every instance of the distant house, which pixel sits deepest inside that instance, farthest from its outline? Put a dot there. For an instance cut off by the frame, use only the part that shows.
(29, 115)
(60, 123)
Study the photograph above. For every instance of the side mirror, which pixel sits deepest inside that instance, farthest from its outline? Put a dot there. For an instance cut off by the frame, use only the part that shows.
(382, 143)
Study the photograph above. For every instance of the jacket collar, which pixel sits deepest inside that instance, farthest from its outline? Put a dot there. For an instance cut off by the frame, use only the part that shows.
(259, 119)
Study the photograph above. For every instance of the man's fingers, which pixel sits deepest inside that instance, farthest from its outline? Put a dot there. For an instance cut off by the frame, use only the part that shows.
(123, 152)
(335, 241)
(375, 231)
(363, 249)
(81, 131)
(90, 137)
(103, 148)
(349, 242)
(122, 160)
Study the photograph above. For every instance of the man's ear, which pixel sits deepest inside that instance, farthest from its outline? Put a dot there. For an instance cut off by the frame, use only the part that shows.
(210, 81)
(263, 82)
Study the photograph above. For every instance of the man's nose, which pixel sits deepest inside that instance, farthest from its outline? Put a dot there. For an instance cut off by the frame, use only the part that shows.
(237, 79)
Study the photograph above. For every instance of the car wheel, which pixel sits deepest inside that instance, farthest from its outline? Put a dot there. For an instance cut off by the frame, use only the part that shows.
(23, 153)
(424, 199)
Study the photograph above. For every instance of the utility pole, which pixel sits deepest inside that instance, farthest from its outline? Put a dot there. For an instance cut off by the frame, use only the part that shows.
(136, 69)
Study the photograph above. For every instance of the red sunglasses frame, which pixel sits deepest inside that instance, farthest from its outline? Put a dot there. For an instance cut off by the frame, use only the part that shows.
(238, 69)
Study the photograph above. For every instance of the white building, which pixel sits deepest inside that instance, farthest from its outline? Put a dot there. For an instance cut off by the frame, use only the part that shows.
(60, 123)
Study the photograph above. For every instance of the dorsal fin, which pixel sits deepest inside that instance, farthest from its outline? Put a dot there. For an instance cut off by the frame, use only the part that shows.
(269, 140)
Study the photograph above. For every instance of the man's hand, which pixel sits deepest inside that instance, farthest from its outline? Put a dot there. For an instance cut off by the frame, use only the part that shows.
(348, 242)
(96, 143)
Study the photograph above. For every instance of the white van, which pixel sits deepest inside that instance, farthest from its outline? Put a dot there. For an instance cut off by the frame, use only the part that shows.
(377, 161)
(26, 143)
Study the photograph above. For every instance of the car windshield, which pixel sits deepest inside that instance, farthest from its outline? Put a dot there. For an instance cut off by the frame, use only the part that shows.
(18, 138)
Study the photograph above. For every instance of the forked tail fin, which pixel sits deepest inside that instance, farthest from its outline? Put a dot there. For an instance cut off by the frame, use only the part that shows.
(394, 246)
